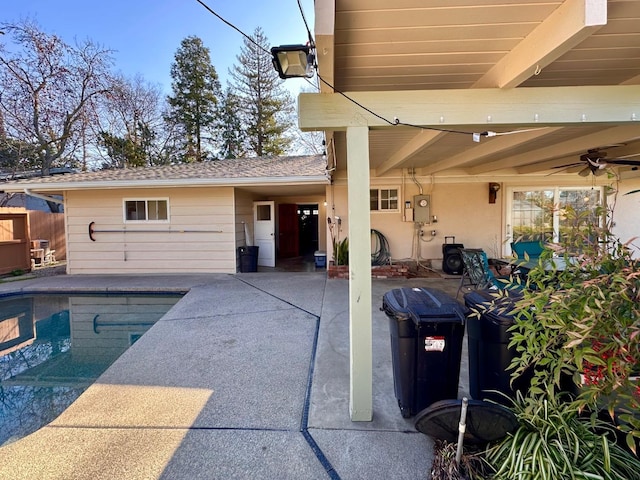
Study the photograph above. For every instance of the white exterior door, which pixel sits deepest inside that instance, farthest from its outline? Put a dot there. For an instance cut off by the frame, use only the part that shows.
(264, 232)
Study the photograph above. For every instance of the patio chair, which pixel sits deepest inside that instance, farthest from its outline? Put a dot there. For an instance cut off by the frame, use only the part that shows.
(533, 250)
(477, 273)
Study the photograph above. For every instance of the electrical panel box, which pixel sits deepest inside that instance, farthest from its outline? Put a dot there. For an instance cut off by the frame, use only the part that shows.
(422, 208)
(408, 215)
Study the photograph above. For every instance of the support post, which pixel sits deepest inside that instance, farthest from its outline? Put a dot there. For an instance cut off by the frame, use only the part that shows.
(360, 328)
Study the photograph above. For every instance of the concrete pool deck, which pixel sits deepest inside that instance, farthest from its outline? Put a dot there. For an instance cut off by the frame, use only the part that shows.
(247, 376)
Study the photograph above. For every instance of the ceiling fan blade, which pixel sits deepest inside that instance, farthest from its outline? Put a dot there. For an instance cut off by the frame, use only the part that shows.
(623, 161)
(585, 172)
(568, 165)
(599, 172)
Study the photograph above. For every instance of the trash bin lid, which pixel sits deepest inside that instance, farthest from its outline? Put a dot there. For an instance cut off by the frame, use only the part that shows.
(423, 304)
(486, 422)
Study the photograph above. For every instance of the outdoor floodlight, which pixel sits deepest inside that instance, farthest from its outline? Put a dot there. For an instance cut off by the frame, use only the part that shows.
(293, 61)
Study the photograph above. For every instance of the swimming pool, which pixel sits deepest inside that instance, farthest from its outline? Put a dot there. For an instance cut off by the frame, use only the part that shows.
(52, 347)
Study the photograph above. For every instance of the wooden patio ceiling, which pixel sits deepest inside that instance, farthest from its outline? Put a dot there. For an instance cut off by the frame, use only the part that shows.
(369, 46)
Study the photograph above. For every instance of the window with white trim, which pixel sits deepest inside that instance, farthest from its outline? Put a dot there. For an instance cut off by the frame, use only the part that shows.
(146, 210)
(383, 199)
(539, 214)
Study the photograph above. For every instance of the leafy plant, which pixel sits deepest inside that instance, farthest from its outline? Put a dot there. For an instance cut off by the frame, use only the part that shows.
(579, 329)
(341, 251)
(553, 442)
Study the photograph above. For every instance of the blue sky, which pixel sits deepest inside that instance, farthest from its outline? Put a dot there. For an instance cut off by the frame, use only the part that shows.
(145, 34)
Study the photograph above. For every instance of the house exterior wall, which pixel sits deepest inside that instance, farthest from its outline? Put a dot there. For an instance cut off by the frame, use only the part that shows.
(244, 217)
(626, 216)
(199, 237)
(462, 211)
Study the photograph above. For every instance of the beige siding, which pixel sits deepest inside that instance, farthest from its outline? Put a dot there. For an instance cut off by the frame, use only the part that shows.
(244, 213)
(199, 237)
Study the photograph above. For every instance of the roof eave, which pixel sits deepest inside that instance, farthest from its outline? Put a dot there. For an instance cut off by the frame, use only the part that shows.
(165, 183)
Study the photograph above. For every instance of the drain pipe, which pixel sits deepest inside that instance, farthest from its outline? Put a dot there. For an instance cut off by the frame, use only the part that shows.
(44, 197)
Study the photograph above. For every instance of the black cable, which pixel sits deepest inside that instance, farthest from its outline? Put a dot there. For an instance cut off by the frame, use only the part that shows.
(312, 43)
(353, 101)
(395, 121)
(257, 44)
(235, 28)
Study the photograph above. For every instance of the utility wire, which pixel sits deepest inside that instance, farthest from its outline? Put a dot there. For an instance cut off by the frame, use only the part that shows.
(353, 101)
(312, 42)
(235, 28)
(256, 43)
(395, 121)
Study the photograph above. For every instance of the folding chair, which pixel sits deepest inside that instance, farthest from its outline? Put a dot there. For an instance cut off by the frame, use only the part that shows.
(476, 272)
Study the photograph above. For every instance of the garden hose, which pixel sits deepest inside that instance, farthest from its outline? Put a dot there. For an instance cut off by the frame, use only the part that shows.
(380, 254)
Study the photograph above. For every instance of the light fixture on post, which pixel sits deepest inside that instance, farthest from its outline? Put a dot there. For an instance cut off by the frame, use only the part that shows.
(293, 61)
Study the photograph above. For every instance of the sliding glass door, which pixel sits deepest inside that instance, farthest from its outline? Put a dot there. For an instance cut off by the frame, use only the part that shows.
(542, 213)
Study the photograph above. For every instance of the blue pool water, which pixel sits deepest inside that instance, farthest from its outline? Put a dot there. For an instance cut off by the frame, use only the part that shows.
(52, 347)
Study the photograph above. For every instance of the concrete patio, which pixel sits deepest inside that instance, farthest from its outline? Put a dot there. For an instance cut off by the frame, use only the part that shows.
(247, 376)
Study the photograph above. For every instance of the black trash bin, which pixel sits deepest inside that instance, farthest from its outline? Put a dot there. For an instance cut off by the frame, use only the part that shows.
(248, 259)
(489, 352)
(427, 328)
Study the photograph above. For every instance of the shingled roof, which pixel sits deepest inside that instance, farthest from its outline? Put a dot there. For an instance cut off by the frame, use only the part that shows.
(305, 169)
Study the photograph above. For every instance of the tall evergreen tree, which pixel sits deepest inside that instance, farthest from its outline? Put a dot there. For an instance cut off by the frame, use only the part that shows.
(265, 106)
(196, 91)
(232, 138)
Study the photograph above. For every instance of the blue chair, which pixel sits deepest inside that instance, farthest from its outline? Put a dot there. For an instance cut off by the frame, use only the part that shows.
(531, 249)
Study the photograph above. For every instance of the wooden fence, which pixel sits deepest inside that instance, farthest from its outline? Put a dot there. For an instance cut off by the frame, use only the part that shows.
(41, 226)
(49, 226)
(14, 242)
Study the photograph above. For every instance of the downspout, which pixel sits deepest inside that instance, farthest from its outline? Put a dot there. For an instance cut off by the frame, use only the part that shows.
(44, 197)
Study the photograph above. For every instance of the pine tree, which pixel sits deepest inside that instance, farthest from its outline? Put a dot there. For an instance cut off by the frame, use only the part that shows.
(196, 91)
(265, 106)
(232, 137)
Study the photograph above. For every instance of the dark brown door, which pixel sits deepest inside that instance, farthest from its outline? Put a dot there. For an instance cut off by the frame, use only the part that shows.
(288, 231)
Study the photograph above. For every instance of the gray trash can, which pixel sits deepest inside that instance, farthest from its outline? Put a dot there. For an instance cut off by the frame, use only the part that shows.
(427, 329)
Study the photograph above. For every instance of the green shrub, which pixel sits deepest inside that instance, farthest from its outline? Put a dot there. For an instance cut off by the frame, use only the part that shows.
(577, 333)
(582, 325)
(554, 443)
(341, 251)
